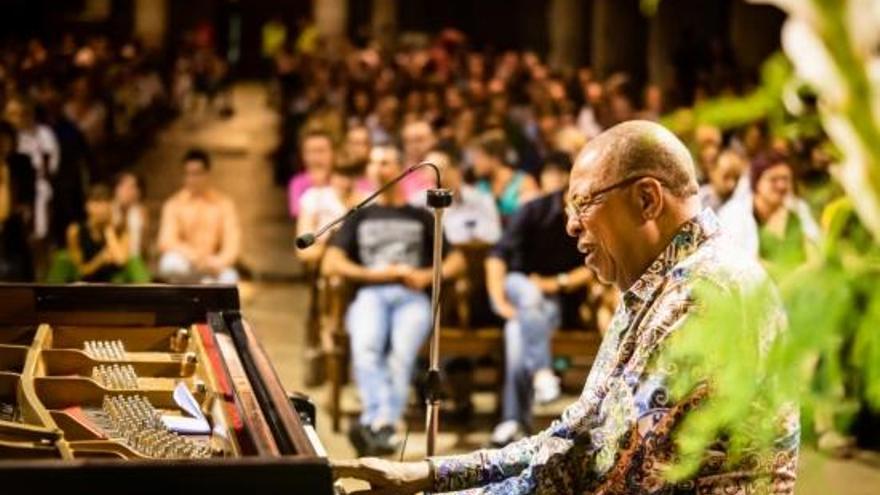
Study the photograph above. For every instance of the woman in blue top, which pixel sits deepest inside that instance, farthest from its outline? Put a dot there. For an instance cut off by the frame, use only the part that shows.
(510, 188)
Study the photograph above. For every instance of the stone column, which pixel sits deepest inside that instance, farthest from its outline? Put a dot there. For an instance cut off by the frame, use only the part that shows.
(566, 33)
(331, 19)
(754, 33)
(619, 37)
(150, 22)
(384, 21)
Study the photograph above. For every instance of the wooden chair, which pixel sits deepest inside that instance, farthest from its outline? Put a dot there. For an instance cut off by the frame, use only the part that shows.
(459, 336)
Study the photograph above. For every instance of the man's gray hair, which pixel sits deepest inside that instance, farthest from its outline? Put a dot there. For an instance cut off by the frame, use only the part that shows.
(641, 147)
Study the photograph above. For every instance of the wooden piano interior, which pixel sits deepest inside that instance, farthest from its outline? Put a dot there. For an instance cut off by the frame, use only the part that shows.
(140, 381)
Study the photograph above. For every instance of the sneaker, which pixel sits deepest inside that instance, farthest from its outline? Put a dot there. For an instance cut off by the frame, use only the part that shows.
(506, 432)
(358, 436)
(383, 441)
(546, 385)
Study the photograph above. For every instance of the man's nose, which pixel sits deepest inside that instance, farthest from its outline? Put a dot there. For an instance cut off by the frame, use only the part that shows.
(573, 227)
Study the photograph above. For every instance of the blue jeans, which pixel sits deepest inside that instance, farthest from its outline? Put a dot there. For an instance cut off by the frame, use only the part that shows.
(388, 325)
(526, 343)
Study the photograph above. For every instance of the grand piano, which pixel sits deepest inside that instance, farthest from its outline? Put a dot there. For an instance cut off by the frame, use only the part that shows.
(146, 389)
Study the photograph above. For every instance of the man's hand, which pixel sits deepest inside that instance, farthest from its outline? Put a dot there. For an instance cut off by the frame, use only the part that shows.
(547, 285)
(213, 265)
(390, 273)
(418, 279)
(385, 477)
(504, 309)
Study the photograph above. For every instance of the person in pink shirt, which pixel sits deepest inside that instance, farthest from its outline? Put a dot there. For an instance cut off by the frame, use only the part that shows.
(318, 157)
(418, 140)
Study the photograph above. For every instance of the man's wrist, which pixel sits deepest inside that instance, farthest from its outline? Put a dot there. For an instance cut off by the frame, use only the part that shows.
(563, 281)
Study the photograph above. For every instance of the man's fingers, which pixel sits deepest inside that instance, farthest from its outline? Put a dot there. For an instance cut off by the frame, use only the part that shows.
(375, 491)
(356, 469)
(347, 469)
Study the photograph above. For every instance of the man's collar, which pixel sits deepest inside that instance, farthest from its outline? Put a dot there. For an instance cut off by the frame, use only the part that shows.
(693, 234)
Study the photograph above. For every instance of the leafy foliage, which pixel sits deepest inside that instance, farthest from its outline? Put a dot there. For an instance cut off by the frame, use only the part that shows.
(828, 361)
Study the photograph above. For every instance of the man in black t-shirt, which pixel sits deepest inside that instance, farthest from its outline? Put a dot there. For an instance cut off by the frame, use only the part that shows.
(536, 281)
(386, 248)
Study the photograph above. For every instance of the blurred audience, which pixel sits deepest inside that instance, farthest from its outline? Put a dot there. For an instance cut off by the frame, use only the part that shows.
(386, 249)
(472, 217)
(535, 292)
(97, 249)
(128, 191)
(321, 205)
(724, 174)
(493, 166)
(318, 157)
(199, 233)
(17, 180)
(773, 223)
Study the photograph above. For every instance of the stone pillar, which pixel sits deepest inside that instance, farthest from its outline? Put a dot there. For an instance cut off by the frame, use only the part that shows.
(383, 21)
(619, 38)
(331, 19)
(566, 33)
(754, 33)
(150, 22)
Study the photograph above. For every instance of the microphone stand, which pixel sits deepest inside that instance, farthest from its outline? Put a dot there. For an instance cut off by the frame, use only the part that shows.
(437, 199)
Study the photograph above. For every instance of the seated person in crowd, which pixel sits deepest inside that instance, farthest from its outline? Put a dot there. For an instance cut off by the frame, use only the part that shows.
(356, 149)
(472, 217)
(199, 234)
(554, 172)
(128, 210)
(386, 248)
(492, 164)
(98, 250)
(17, 179)
(536, 281)
(318, 157)
(418, 139)
(724, 175)
(773, 224)
(322, 205)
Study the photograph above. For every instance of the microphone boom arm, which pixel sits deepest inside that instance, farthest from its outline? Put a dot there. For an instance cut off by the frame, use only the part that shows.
(306, 240)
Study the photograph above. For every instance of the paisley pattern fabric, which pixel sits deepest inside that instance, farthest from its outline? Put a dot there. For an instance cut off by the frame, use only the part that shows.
(617, 438)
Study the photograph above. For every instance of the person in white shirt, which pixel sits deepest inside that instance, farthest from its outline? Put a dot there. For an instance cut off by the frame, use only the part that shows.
(473, 216)
(38, 143)
(321, 205)
(724, 174)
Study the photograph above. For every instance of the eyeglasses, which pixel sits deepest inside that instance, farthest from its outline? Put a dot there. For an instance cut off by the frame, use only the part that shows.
(579, 206)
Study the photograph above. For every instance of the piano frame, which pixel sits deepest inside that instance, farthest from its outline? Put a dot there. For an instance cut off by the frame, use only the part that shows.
(285, 457)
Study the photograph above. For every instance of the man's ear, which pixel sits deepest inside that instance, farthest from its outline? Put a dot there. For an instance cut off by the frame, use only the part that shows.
(649, 194)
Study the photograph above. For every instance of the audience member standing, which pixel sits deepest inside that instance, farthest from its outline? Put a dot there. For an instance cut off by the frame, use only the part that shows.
(16, 209)
(199, 233)
(38, 143)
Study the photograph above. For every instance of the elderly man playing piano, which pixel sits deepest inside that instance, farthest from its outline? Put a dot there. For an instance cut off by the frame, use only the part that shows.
(634, 208)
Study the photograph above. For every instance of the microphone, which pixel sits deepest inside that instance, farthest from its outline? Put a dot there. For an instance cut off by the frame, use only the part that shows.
(305, 240)
(436, 198)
